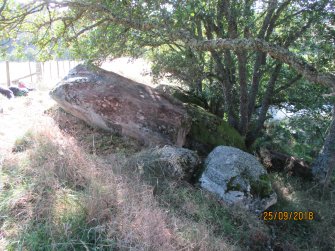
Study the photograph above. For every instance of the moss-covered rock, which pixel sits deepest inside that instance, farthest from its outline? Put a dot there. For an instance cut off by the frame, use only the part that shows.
(207, 130)
(167, 162)
(262, 187)
(211, 131)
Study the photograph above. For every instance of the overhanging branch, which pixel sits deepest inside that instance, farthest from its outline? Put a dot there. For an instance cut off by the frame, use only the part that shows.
(279, 53)
(239, 44)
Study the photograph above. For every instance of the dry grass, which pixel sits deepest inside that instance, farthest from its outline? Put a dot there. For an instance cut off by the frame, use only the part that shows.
(56, 197)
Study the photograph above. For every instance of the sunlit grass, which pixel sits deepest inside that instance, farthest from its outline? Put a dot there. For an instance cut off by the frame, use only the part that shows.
(56, 197)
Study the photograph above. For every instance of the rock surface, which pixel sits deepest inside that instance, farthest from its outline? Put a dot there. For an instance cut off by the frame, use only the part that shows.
(207, 130)
(238, 178)
(109, 101)
(167, 162)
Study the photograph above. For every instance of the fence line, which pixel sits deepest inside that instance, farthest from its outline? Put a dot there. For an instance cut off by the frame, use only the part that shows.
(41, 73)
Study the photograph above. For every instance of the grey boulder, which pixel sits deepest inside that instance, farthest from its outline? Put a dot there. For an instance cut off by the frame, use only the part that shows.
(238, 178)
(167, 162)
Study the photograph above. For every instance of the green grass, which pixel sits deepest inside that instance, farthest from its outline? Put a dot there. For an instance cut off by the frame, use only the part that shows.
(23, 143)
(297, 195)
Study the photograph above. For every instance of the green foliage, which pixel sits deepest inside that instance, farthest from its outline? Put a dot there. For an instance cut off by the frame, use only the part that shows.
(301, 135)
(231, 186)
(24, 142)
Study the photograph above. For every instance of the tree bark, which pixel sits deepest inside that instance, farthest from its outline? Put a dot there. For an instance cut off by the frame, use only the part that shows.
(242, 70)
(275, 161)
(257, 75)
(324, 164)
(227, 89)
(281, 54)
(252, 136)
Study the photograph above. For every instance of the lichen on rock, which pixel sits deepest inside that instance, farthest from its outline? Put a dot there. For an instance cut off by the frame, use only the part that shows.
(237, 178)
(166, 162)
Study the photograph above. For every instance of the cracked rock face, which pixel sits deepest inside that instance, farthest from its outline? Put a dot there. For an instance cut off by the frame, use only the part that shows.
(111, 102)
(238, 178)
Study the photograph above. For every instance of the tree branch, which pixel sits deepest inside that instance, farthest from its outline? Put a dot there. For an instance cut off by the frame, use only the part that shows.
(3, 7)
(281, 54)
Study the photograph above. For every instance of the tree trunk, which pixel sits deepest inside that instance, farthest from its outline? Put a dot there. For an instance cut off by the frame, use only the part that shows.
(253, 135)
(227, 88)
(242, 70)
(324, 164)
(275, 161)
(256, 78)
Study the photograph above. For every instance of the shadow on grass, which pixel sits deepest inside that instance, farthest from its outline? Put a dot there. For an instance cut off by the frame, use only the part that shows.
(298, 195)
(92, 140)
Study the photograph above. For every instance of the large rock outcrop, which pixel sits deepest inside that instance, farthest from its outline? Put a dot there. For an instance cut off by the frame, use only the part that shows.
(153, 116)
(109, 101)
(238, 178)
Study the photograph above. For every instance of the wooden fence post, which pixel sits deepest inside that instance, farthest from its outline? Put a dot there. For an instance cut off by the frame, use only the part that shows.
(31, 77)
(50, 70)
(57, 68)
(7, 73)
(38, 72)
(63, 68)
